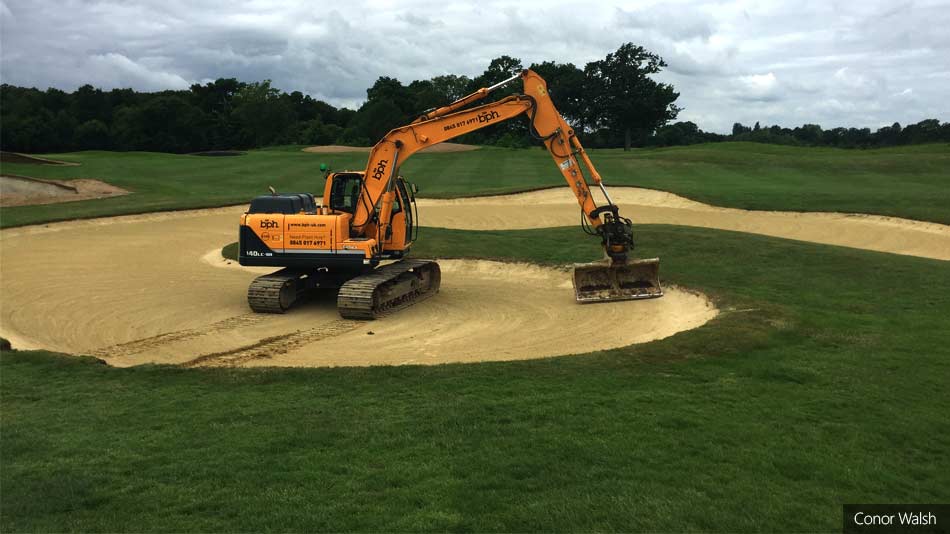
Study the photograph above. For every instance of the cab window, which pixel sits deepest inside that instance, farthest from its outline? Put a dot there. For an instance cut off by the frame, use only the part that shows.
(345, 192)
(397, 203)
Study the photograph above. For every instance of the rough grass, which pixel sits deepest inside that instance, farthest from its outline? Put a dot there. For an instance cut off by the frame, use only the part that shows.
(823, 382)
(911, 182)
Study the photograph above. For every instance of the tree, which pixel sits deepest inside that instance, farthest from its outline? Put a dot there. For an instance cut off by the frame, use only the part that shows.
(92, 135)
(925, 131)
(500, 69)
(680, 133)
(63, 128)
(217, 96)
(128, 129)
(164, 124)
(374, 120)
(451, 87)
(808, 133)
(624, 98)
(261, 115)
(315, 132)
(393, 90)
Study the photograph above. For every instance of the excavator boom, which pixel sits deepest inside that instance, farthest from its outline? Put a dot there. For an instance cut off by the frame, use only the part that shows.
(617, 277)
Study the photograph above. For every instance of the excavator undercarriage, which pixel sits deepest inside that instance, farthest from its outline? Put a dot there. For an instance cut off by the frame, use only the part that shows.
(363, 296)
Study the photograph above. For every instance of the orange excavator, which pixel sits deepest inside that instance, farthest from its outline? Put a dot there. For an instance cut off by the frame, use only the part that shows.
(368, 217)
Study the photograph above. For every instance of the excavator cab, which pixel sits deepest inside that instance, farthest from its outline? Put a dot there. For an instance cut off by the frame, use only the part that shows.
(345, 192)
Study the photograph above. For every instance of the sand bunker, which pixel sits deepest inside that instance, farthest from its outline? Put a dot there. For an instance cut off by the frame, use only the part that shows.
(134, 292)
(557, 207)
(441, 147)
(15, 157)
(26, 191)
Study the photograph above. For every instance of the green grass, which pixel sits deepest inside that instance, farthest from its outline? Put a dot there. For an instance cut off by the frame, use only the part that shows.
(824, 381)
(231, 251)
(911, 182)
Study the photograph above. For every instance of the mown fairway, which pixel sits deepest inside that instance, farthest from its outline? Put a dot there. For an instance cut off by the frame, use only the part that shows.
(907, 182)
(823, 382)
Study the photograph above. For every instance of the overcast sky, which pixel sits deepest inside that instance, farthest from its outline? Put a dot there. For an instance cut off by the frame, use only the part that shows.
(852, 63)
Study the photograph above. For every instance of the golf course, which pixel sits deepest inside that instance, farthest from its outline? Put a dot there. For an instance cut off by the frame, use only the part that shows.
(810, 367)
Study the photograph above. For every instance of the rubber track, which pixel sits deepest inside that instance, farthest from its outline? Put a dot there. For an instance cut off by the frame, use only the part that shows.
(358, 298)
(263, 295)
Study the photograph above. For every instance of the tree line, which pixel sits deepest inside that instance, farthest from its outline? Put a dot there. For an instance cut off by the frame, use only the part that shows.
(925, 131)
(614, 101)
(616, 98)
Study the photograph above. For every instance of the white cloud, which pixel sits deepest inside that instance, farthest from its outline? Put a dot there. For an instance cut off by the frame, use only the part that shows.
(786, 62)
(758, 87)
(119, 71)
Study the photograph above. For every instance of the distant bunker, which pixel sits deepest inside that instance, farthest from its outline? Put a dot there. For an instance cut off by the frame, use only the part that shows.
(18, 190)
(15, 157)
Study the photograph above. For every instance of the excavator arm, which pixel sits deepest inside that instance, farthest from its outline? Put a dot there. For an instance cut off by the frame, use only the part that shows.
(616, 278)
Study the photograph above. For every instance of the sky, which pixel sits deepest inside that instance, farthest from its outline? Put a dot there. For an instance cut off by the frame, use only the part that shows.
(862, 63)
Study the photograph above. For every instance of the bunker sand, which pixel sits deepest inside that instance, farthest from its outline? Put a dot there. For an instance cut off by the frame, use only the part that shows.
(130, 292)
(27, 191)
(557, 207)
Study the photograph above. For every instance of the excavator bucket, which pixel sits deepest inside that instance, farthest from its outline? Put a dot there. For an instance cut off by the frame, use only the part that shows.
(606, 281)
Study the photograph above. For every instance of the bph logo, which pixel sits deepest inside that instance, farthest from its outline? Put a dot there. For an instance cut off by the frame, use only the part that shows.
(486, 116)
(380, 169)
(267, 223)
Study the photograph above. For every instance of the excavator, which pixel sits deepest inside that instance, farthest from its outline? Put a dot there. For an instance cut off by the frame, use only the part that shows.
(357, 238)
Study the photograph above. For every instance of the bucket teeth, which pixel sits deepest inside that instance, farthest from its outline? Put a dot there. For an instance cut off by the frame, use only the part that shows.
(605, 281)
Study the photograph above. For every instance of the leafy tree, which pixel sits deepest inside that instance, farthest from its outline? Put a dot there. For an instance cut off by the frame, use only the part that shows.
(315, 132)
(395, 92)
(500, 68)
(128, 129)
(451, 87)
(374, 120)
(624, 97)
(808, 133)
(260, 114)
(92, 135)
(89, 103)
(166, 124)
(682, 133)
(62, 130)
(925, 131)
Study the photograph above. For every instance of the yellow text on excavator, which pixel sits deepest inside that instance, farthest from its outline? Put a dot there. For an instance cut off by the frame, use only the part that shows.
(368, 216)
